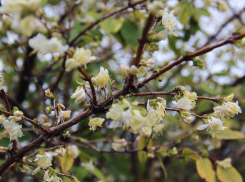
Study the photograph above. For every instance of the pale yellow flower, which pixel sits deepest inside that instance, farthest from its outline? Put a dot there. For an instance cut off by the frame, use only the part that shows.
(226, 163)
(95, 122)
(102, 79)
(228, 109)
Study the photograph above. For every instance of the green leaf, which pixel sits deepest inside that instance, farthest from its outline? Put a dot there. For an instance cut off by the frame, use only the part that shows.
(98, 174)
(230, 135)
(84, 157)
(190, 154)
(203, 11)
(130, 33)
(142, 156)
(206, 88)
(205, 170)
(228, 174)
(15, 109)
(2, 107)
(66, 162)
(111, 25)
(81, 173)
(43, 3)
(185, 12)
(163, 167)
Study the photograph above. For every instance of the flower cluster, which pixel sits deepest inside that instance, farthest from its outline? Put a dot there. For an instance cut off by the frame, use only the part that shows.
(81, 57)
(43, 45)
(24, 13)
(136, 120)
(215, 122)
(43, 161)
(102, 79)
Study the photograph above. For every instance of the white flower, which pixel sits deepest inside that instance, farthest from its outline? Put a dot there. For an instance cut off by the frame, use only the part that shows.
(115, 112)
(95, 122)
(228, 109)
(226, 163)
(169, 22)
(80, 95)
(18, 115)
(153, 116)
(102, 79)
(71, 64)
(117, 144)
(83, 56)
(13, 129)
(190, 95)
(51, 177)
(29, 24)
(215, 125)
(141, 71)
(43, 161)
(228, 98)
(155, 6)
(124, 69)
(137, 121)
(187, 119)
(161, 108)
(145, 131)
(63, 115)
(73, 151)
(89, 166)
(150, 63)
(158, 128)
(183, 103)
(61, 151)
(41, 44)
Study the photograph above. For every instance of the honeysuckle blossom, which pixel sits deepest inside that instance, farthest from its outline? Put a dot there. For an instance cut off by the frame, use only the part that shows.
(145, 131)
(43, 161)
(80, 95)
(63, 115)
(141, 71)
(137, 121)
(115, 112)
(183, 103)
(228, 109)
(29, 24)
(226, 163)
(2, 118)
(61, 151)
(89, 166)
(51, 176)
(71, 64)
(17, 6)
(150, 63)
(117, 144)
(124, 69)
(215, 124)
(73, 151)
(158, 128)
(153, 116)
(169, 21)
(83, 56)
(190, 95)
(186, 117)
(161, 108)
(228, 98)
(102, 79)
(18, 115)
(13, 129)
(95, 122)
(43, 45)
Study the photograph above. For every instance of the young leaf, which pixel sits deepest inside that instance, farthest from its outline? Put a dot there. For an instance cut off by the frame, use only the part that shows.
(141, 144)
(66, 162)
(190, 154)
(205, 170)
(230, 135)
(163, 167)
(229, 174)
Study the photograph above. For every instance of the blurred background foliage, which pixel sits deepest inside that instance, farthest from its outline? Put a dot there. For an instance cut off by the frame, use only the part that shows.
(114, 42)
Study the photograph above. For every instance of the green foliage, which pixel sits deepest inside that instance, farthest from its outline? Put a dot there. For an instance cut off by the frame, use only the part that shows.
(205, 169)
(229, 174)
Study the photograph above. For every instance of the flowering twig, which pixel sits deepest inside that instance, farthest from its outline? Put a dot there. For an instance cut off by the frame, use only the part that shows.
(199, 52)
(44, 150)
(38, 125)
(142, 43)
(88, 78)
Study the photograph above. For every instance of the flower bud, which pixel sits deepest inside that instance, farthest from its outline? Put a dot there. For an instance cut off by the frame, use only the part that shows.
(18, 115)
(141, 71)
(2, 118)
(150, 63)
(67, 134)
(49, 94)
(49, 110)
(228, 98)
(200, 63)
(133, 70)
(124, 69)
(43, 118)
(146, 132)
(173, 151)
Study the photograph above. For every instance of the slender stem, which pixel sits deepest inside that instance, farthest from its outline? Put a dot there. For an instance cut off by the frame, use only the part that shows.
(6, 100)
(141, 47)
(88, 78)
(212, 99)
